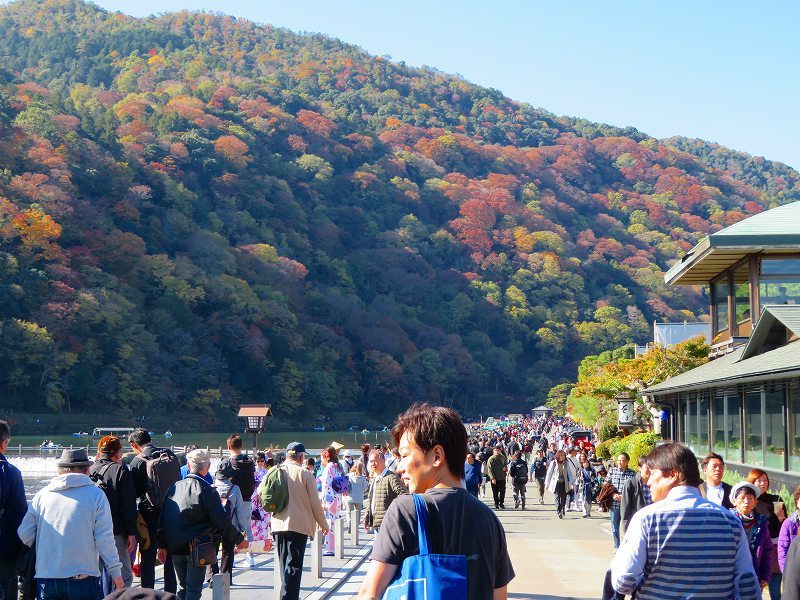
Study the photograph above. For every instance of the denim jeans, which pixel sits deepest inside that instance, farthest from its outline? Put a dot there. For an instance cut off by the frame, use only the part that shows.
(775, 586)
(616, 516)
(87, 588)
(190, 578)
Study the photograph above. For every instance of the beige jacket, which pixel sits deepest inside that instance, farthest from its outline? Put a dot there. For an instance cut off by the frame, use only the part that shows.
(303, 511)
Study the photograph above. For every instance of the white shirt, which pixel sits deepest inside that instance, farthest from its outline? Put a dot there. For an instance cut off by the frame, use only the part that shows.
(715, 493)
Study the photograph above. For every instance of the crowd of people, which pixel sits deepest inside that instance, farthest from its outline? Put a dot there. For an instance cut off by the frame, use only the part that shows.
(676, 534)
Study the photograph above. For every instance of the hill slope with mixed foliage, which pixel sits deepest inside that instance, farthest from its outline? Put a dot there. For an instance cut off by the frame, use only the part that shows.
(198, 211)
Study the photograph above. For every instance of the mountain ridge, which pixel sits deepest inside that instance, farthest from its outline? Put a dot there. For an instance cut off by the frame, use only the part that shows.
(197, 211)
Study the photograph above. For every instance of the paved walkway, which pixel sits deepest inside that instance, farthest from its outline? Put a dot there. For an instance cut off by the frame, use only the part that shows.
(552, 558)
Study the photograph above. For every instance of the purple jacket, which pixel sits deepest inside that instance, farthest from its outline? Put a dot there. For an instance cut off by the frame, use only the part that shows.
(788, 533)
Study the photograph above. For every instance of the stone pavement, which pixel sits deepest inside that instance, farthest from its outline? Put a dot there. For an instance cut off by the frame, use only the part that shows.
(553, 559)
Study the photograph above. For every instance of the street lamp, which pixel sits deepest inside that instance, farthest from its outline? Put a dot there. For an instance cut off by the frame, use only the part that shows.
(255, 413)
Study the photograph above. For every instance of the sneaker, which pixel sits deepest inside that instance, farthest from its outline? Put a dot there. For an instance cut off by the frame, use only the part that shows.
(541, 500)
(560, 515)
(328, 553)
(502, 507)
(516, 503)
(251, 560)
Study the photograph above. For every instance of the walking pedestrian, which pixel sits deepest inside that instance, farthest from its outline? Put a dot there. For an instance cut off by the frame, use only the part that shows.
(538, 472)
(756, 528)
(238, 512)
(192, 514)
(297, 522)
(70, 523)
(518, 472)
(497, 467)
(259, 518)
(331, 495)
(384, 487)
(13, 507)
(473, 476)
(559, 479)
(635, 495)
(585, 485)
(432, 443)
(358, 491)
(617, 476)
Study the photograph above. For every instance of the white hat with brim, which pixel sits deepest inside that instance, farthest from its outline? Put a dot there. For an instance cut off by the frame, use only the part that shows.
(744, 485)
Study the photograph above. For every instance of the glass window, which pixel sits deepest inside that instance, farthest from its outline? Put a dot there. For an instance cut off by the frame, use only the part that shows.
(794, 425)
(774, 444)
(702, 422)
(733, 406)
(691, 423)
(754, 439)
(780, 281)
(741, 293)
(721, 304)
(718, 407)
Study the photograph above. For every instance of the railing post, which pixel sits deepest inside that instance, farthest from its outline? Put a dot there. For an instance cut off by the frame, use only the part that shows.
(355, 528)
(221, 586)
(20, 449)
(277, 573)
(316, 555)
(338, 538)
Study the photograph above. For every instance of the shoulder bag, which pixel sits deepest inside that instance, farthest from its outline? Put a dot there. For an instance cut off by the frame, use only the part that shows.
(427, 575)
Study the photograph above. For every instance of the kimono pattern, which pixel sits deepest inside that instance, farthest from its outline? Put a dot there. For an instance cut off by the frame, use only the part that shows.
(259, 527)
(331, 501)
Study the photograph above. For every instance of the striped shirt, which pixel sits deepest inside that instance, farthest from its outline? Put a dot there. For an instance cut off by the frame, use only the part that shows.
(617, 478)
(685, 547)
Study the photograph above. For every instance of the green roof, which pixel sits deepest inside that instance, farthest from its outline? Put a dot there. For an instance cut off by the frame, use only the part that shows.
(772, 231)
(744, 363)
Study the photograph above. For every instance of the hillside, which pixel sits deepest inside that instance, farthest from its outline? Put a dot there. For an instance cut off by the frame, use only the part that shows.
(198, 211)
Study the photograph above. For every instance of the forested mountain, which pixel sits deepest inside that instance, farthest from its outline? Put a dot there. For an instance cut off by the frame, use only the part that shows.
(198, 211)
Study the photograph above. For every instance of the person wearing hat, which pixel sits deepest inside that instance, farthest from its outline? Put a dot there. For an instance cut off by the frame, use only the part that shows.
(743, 496)
(192, 509)
(70, 522)
(297, 522)
(117, 483)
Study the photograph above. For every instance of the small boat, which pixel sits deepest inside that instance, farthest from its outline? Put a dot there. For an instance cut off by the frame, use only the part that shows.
(48, 445)
(365, 431)
(167, 433)
(80, 434)
(319, 428)
(385, 429)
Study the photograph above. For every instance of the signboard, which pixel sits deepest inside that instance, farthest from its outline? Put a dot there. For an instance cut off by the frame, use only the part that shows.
(625, 411)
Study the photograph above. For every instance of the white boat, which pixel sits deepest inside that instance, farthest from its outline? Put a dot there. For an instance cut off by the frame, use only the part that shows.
(49, 445)
(121, 432)
(319, 428)
(167, 433)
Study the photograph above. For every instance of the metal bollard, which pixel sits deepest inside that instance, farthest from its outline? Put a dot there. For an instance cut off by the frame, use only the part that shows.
(355, 527)
(338, 538)
(316, 555)
(222, 586)
(277, 573)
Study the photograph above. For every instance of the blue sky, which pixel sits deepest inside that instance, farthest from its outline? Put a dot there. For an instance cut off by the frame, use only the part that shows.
(722, 71)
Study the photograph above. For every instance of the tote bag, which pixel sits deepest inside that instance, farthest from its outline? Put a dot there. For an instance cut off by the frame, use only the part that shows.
(428, 576)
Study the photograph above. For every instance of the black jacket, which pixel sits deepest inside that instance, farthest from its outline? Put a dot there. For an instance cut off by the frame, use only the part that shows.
(726, 495)
(192, 508)
(140, 483)
(13, 507)
(121, 494)
(631, 502)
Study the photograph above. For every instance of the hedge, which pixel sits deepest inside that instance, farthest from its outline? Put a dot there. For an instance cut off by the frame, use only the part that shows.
(636, 445)
(603, 449)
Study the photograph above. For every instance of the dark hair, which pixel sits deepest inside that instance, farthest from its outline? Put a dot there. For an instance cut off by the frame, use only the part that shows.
(429, 426)
(755, 474)
(5, 431)
(470, 454)
(333, 454)
(625, 454)
(642, 460)
(711, 456)
(365, 448)
(139, 436)
(678, 458)
(261, 456)
(311, 461)
(235, 441)
(796, 495)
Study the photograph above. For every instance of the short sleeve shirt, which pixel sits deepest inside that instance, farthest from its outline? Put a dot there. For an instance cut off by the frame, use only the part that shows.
(458, 523)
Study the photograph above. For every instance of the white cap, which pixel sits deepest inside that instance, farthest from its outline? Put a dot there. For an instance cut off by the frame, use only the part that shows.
(198, 457)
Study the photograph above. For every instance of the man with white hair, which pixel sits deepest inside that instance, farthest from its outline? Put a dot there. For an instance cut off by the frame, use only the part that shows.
(292, 526)
(193, 510)
(70, 522)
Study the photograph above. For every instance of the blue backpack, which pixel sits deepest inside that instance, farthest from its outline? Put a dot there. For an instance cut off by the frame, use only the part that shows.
(428, 576)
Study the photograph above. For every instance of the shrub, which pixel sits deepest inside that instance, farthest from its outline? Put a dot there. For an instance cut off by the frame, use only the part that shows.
(603, 449)
(636, 445)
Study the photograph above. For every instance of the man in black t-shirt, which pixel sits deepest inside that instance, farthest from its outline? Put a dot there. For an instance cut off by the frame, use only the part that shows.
(433, 446)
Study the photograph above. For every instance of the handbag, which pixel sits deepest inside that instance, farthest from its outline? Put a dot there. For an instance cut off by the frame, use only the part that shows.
(425, 575)
(203, 551)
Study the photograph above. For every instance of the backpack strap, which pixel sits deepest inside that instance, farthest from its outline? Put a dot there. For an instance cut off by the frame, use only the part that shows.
(422, 523)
